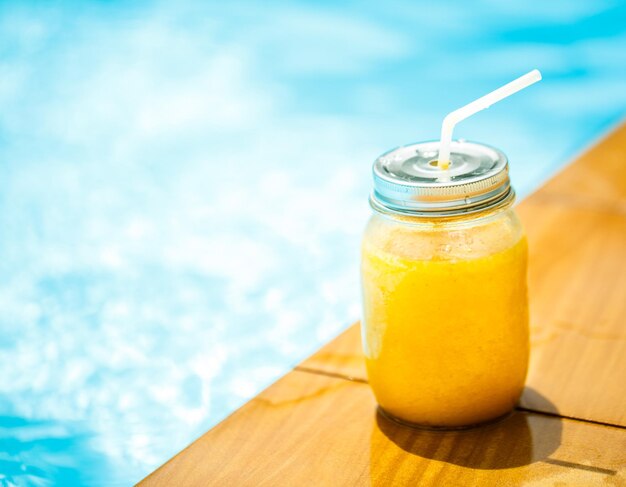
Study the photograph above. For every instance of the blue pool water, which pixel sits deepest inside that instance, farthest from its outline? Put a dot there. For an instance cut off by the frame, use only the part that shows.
(183, 186)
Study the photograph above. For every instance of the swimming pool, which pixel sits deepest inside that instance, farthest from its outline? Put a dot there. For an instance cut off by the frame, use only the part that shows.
(182, 191)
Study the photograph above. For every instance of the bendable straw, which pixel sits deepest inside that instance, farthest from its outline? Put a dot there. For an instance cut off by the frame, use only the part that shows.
(477, 105)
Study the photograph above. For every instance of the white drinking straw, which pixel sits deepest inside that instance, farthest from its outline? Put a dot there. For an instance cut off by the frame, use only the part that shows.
(477, 105)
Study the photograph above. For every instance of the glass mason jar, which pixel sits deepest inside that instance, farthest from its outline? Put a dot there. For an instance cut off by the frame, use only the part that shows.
(443, 269)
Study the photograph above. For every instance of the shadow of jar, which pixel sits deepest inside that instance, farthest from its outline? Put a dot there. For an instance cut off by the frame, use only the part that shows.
(520, 439)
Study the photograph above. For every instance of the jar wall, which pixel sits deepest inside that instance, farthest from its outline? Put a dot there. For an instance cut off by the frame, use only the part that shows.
(445, 316)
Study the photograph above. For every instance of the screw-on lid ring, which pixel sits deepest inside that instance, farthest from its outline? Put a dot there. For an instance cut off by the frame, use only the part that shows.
(408, 180)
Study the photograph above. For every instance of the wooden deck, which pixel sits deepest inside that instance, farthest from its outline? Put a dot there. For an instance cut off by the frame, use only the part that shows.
(318, 425)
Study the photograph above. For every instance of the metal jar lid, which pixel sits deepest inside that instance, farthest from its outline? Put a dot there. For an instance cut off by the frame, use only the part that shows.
(407, 179)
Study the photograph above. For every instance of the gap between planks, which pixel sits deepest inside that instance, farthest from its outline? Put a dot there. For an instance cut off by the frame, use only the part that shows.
(335, 375)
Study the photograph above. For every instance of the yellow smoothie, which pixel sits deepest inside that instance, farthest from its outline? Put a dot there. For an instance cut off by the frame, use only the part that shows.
(445, 319)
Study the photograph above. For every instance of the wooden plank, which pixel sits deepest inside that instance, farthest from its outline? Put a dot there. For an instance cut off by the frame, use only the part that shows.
(577, 284)
(314, 430)
(597, 176)
(343, 356)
